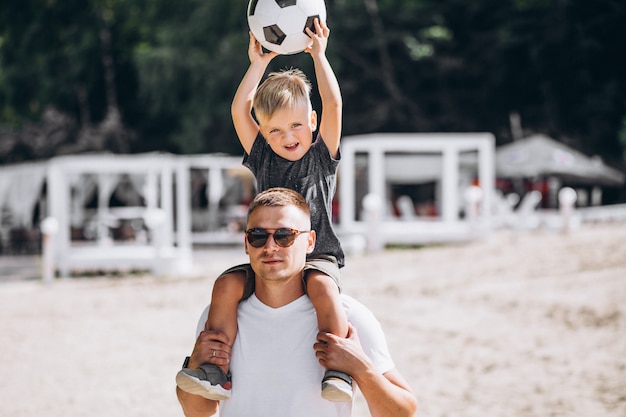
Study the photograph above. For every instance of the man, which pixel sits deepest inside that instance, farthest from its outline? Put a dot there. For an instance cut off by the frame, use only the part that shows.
(279, 356)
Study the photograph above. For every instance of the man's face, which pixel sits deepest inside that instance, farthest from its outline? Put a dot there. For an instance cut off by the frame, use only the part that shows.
(289, 132)
(271, 262)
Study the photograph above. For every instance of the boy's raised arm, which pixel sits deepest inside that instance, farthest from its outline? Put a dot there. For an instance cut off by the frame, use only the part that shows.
(241, 107)
(328, 86)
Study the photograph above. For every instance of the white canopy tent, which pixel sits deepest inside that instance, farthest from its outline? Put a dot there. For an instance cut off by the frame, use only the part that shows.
(417, 157)
(541, 156)
(148, 227)
(167, 217)
(20, 188)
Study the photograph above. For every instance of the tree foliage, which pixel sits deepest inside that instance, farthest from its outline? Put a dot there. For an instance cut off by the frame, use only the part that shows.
(403, 65)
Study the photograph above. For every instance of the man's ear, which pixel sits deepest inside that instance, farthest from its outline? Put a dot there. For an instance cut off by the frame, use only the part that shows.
(311, 241)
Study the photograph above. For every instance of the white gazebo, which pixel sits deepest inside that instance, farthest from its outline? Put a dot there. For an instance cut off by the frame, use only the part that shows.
(166, 246)
(113, 212)
(226, 179)
(459, 165)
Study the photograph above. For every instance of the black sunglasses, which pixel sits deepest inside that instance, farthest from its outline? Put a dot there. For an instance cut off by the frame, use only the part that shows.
(284, 237)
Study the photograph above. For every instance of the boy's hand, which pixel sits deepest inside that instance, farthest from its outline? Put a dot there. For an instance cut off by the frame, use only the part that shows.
(319, 37)
(256, 54)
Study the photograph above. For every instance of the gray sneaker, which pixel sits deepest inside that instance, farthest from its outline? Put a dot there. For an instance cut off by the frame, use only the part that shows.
(208, 381)
(337, 386)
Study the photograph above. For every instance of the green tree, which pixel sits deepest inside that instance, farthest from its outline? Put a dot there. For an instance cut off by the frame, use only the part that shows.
(187, 67)
(59, 60)
(171, 69)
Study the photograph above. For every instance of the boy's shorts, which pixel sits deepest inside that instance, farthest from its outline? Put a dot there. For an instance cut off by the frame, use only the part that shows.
(325, 264)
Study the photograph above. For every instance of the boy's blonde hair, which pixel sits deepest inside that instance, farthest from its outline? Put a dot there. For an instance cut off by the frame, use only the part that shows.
(286, 89)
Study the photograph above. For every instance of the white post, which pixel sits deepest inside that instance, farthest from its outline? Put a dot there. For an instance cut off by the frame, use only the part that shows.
(155, 219)
(49, 228)
(167, 204)
(372, 208)
(450, 185)
(376, 172)
(58, 199)
(347, 181)
(183, 219)
(473, 198)
(486, 178)
(567, 200)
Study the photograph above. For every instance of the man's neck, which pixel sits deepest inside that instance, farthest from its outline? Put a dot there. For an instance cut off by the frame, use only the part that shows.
(278, 294)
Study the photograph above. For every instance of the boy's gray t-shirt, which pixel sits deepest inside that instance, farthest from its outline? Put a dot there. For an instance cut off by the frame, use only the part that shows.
(314, 176)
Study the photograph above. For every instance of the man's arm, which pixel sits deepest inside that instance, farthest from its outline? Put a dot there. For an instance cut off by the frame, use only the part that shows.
(330, 94)
(387, 395)
(196, 406)
(211, 347)
(241, 107)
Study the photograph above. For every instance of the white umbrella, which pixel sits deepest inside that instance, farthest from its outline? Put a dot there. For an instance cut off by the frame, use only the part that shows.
(541, 156)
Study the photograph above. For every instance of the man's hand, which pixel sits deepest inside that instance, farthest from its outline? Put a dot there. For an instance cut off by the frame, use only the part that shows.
(211, 347)
(342, 354)
(386, 394)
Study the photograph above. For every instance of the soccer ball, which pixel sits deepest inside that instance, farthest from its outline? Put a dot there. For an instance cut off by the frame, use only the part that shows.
(279, 25)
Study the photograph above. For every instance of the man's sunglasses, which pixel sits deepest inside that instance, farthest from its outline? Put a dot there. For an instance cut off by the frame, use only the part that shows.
(284, 237)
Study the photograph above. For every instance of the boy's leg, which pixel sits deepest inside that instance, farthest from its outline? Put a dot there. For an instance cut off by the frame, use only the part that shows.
(209, 380)
(227, 292)
(324, 294)
(323, 291)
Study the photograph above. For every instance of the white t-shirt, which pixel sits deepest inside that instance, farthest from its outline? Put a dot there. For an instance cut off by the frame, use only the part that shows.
(274, 369)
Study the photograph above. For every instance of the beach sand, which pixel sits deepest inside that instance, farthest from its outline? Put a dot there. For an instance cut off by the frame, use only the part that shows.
(518, 324)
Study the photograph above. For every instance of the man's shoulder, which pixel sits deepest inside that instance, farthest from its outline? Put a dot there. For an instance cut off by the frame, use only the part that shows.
(370, 332)
(355, 308)
(348, 299)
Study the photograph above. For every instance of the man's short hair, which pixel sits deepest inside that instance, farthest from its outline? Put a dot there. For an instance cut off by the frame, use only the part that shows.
(279, 197)
(286, 89)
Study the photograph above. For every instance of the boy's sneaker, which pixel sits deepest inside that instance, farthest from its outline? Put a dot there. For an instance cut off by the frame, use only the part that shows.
(208, 381)
(337, 386)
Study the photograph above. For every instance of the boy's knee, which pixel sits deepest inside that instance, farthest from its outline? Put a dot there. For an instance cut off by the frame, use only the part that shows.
(231, 283)
(319, 283)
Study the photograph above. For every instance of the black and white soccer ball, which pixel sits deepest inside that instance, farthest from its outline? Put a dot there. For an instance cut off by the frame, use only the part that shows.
(279, 24)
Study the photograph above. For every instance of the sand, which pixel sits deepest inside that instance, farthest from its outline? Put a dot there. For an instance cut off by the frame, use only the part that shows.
(519, 324)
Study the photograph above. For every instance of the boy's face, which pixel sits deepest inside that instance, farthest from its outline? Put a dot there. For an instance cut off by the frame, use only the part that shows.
(289, 132)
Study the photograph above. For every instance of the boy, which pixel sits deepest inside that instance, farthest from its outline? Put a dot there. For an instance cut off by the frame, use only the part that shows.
(280, 152)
